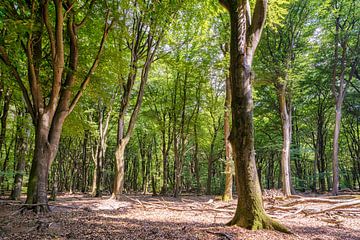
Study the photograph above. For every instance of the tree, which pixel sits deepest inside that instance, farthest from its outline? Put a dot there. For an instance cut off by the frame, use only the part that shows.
(245, 36)
(146, 33)
(346, 39)
(50, 93)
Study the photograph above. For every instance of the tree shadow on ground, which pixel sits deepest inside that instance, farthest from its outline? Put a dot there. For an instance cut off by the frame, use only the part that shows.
(322, 233)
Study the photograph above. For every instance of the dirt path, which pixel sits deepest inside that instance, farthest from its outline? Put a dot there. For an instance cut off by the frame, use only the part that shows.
(146, 217)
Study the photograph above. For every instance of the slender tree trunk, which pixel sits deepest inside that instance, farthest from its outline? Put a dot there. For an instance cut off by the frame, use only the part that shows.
(286, 134)
(95, 171)
(210, 169)
(335, 165)
(3, 119)
(21, 150)
(196, 159)
(227, 196)
(165, 161)
(84, 179)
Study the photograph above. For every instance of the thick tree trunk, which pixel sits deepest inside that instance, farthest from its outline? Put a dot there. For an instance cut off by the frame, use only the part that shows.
(44, 154)
(249, 212)
(118, 186)
(286, 135)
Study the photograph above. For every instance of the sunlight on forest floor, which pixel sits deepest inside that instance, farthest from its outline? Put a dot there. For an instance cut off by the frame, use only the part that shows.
(79, 216)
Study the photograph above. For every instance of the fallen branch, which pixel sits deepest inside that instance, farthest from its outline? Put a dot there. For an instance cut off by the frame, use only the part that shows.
(316, 200)
(338, 206)
(291, 214)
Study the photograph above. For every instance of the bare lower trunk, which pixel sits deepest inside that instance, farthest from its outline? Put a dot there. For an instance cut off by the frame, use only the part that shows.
(228, 165)
(286, 133)
(37, 189)
(118, 186)
(335, 166)
(94, 156)
(21, 149)
(165, 174)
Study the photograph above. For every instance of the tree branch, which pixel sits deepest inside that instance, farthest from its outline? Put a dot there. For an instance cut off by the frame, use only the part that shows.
(255, 30)
(93, 67)
(5, 58)
(45, 14)
(225, 4)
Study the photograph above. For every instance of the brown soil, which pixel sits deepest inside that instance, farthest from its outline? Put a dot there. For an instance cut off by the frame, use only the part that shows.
(190, 217)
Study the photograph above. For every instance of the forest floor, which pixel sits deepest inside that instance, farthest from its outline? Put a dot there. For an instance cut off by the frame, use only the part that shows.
(79, 216)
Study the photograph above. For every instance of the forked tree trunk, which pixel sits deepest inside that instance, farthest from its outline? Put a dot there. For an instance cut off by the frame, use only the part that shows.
(244, 39)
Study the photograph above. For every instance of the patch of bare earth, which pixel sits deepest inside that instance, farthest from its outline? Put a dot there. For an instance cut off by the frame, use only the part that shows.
(190, 217)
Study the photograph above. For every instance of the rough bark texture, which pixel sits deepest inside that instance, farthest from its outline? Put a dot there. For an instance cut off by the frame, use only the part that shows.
(244, 39)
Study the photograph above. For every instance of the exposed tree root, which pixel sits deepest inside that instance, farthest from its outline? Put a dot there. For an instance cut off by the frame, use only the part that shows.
(38, 208)
(262, 221)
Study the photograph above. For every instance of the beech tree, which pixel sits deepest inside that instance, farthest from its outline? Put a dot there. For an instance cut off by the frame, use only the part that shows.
(145, 21)
(346, 39)
(52, 90)
(245, 35)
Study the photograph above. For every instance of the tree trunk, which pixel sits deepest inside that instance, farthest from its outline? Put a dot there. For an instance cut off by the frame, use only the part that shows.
(249, 212)
(196, 159)
(286, 134)
(335, 165)
(84, 186)
(227, 196)
(44, 154)
(210, 169)
(165, 161)
(118, 186)
(21, 150)
(95, 171)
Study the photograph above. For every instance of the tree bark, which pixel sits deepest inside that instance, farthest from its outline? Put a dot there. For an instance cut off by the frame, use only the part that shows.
(335, 163)
(227, 196)
(286, 135)
(21, 150)
(118, 186)
(244, 39)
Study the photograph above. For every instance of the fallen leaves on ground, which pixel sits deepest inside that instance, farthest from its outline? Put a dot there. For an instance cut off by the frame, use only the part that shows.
(189, 217)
